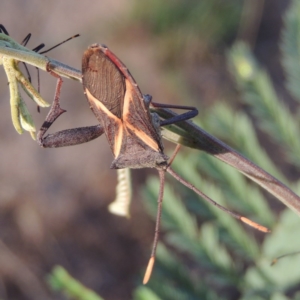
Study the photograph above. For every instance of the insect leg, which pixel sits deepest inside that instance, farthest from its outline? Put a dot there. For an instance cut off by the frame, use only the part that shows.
(3, 30)
(157, 226)
(66, 137)
(191, 113)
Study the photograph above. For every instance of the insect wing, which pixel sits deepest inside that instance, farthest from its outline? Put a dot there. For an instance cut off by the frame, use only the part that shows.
(104, 86)
(136, 113)
(119, 106)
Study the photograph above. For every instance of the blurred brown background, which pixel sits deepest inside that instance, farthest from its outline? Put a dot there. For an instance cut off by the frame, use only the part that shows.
(53, 202)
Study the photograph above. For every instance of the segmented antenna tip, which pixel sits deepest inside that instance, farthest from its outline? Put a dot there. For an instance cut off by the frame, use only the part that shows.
(149, 270)
(255, 225)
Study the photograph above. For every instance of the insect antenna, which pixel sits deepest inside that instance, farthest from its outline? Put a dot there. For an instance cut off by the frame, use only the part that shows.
(275, 260)
(208, 199)
(201, 194)
(178, 146)
(37, 49)
(24, 43)
(151, 262)
(70, 38)
(26, 39)
(162, 173)
(3, 29)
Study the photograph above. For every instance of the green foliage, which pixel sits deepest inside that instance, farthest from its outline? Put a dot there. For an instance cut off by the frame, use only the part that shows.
(272, 116)
(290, 48)
(181, 27)
(205, 254)
(163, 17)
(60, 280)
